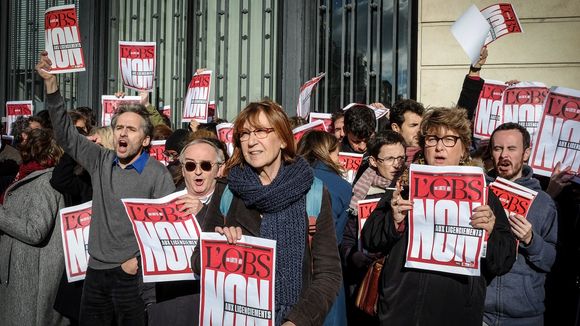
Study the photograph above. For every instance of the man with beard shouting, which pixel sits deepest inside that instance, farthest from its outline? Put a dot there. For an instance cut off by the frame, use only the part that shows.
(517, 298)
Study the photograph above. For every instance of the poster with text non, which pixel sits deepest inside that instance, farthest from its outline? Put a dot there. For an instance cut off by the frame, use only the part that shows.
(166, 237)
(488, 113)
(225, 133)
(523, 103)
(110, 103)
(237, 281)
(503, 20)
(440, 237)
(195, 105)
(559, 134)
(63, 39)
(350, 163)
(137, 64)
(75, 223)
(15, 109)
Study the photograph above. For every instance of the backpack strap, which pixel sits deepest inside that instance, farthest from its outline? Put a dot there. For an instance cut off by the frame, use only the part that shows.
(313, 204)
(226, 201)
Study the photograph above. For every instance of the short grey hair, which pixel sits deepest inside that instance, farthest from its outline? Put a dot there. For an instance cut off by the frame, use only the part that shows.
(139, 109)
(219, 152)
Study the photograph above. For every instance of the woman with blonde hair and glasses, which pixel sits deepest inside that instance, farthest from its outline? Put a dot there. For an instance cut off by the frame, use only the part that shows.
(409, 296)
(269, 184)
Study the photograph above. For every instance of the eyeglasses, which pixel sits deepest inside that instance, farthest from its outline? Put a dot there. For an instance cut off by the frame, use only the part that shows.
(260, 133)
(391, 160)
(448, 141)
(206, 166)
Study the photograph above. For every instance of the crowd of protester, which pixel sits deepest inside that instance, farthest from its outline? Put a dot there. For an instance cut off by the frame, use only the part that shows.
(529, 276)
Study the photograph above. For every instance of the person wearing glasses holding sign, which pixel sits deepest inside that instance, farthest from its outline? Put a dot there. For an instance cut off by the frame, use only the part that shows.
(269, 184)
(410, 296)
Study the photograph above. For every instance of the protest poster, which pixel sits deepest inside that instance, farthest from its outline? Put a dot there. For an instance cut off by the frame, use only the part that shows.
(15, 109)
(156, 150)
(324, 117)
(379, 113)
(303, 107)
(110, 103)
(237, 281)
(365, 207)
(74, 225)
(350, 162)
(513, 198)
(137, 64)
(195, 105)
(488, 113)
(503, 20)
(559, 134)
(225, 133)
(166, 111)
(165, 235)
(63, 39)
(301, 130)
(471, 30)
(440, 237)
(523, 103)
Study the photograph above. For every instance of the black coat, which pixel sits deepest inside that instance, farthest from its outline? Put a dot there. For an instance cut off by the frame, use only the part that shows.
(420, 297)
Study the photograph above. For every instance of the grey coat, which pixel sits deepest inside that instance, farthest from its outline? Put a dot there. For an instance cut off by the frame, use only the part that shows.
(31, 254)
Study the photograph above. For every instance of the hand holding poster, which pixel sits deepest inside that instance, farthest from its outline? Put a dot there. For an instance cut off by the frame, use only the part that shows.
(303, 107)
(440, 237)
(137, 64)
(110, 103)
(237, 281)
(195, 105)
(523, 103)
(325, 117)
(301, 130)
(166, 237)
(350, 163)
(14, 109)
(225, 133)
(62, 39)
(156, 151)
(488, 113)
(75, 224)
(503, 20)
(559, 134)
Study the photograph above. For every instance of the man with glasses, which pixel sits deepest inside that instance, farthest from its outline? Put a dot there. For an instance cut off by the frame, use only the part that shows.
(202, 164)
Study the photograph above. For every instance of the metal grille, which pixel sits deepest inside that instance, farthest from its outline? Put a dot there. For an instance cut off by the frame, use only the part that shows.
(26, 41)
(163, 22)
(237, 41)
(363, 46)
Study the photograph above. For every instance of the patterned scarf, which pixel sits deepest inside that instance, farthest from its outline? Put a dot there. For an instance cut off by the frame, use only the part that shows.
(283, 207)
(369, 178)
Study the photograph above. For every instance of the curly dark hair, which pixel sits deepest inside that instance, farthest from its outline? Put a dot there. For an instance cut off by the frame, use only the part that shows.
(41, 147)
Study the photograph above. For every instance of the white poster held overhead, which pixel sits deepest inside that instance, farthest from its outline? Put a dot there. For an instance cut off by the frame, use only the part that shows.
(303, 107)
(503, 20)
(63, 40)
(195, 105)
(471, 31)
(137, 64)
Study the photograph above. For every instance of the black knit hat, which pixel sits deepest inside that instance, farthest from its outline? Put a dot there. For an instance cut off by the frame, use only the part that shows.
(177, 140)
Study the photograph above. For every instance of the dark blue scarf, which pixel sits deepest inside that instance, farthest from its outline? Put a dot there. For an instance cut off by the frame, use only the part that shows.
(282, 204)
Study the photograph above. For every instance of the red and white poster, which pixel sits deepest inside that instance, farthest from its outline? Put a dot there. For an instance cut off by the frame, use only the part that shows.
(156, 151)
(488, 114)
(110, 103)
(350, 163)
(559, 134)
(137, 64)
(513, 198)
(440, 237)
(523, 103)
(225, 133)
(237, 281)
(63, 39)
(166, 111)
(503, 20)
(195, 105)
(15, 109)
(379, 112)
(301, 130)
(324, 117)
(166, 237)
(303, 107)
(365, 208)
(75, 223)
